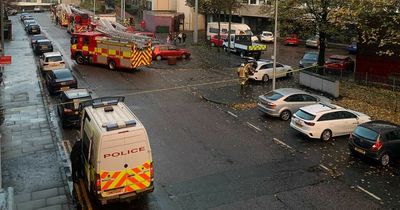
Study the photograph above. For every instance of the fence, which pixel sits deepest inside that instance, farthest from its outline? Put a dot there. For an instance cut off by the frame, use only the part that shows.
(391, 81)
(320, 83)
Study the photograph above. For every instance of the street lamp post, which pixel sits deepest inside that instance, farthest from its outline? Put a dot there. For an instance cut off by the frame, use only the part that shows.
(275, 35)
(94, 8)
(196, 20)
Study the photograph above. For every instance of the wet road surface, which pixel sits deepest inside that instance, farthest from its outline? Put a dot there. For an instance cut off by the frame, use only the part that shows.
(207, 157)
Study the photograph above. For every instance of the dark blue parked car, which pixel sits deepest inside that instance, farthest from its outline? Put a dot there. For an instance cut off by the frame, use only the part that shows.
(352, 48)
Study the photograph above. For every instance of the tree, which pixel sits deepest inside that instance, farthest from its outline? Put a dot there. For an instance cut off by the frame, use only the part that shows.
(310, 17)
(378, 22)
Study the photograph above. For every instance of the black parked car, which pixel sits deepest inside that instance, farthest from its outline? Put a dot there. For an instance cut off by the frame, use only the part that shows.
(379, 140)
(60, 80)
(35, 38)
(25, 16)
(42, 46)
(68, 108)
(33, 29)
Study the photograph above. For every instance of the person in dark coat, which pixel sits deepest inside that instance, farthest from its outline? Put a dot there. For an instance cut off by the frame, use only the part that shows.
(183, 37)
(76, 161)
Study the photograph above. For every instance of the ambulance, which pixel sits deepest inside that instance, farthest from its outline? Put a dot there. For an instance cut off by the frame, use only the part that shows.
(116, 153)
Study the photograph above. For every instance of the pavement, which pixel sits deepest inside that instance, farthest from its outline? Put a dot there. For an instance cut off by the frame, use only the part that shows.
(30, 163)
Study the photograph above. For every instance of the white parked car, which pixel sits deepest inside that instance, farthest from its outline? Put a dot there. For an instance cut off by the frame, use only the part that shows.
(267, 36)
(50, 61)
(324, 121)
(313, 42)
(264, 71)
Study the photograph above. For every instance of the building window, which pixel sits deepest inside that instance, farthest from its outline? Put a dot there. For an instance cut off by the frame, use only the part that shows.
(253, 1)
(245, 1)
(261, 1)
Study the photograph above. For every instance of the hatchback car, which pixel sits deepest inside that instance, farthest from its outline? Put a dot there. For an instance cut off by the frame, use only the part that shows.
(379, 140)
(43, 46)
(267, 36)
(215, 42)
(291, 39)
(339, 63)
(324, 121)
(68, 108)
(35, 38)
(33, 29)
(286, 101)
(50, 61)
(352, 48)
(60, 80)
(313, 42)
(309, 59)
(264, 71)
(165, 51)
(26, 17)
(28, 22)
(22, 15)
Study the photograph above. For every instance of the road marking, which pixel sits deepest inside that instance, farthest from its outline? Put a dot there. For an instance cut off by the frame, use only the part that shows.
(232, 114)
(282, 143)
(324, 167)
(369, 193)
(253, 126)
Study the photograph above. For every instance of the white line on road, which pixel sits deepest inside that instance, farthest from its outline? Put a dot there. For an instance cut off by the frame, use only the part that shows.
(282, 143)
(324, 167)
(253, 126)
(232, 114)
(369, 193)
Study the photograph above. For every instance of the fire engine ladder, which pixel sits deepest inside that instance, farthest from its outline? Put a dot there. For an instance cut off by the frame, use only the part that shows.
(66, 8)
(106, 27)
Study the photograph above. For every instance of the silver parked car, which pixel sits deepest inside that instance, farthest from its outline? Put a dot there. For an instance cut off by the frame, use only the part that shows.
(286, 101)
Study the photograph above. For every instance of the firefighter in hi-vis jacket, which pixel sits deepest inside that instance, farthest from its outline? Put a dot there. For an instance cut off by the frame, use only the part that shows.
(243, 72)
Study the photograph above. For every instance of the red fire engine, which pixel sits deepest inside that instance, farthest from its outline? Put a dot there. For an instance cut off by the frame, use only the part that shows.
(95, 48)
(79, 21)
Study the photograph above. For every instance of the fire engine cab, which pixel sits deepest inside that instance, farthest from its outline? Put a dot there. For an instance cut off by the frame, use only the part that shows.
(95, 48)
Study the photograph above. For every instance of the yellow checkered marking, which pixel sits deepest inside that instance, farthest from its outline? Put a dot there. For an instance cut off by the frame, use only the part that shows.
(112, 52)
(141, 57)
(257, 47)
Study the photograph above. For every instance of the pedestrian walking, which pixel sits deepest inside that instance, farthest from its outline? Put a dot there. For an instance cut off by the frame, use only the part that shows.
(175, 37)
(183, 37)
(169, 38)
(180, 37)
(76, 161)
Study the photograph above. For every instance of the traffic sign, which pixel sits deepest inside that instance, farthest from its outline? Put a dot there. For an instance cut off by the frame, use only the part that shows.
(5, 60)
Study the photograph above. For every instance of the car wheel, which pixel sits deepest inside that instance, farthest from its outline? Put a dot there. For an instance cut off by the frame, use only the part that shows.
(265, 78)
(79, 59)
(111, 65)
(326, 135)
(158, 57)
(385, 159)
(184, 56)
(212, 44)
(289, 74)
(242, 54)
(225, 49)
(285, 115)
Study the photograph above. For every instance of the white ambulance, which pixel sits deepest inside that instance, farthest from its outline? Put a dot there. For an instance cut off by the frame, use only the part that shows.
(116, 151)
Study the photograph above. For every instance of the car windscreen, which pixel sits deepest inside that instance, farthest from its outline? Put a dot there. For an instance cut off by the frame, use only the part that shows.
(310, 56)
(248, 32)
(335, 60)
(45, 44)
(61, 75)
(273, 96)
(34, 26)
(38, 37)
(366, 133)
(305, 115)
(74, 103)
(54, 59)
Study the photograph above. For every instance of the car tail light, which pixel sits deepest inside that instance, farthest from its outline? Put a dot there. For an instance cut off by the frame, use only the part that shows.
(309, 123)
(68, 111)
(271, 105)
(98, 182)
(377, 146)
(151, 170)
